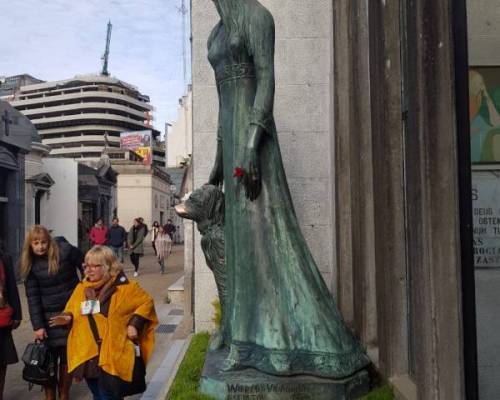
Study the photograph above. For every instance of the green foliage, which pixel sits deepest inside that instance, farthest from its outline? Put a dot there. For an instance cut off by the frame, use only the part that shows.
(193, 396)
(186, 382)
(217, 313)
(167, 299)
(381, 393)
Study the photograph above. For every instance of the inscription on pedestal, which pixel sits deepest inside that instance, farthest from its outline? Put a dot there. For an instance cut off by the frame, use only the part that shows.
(250, 384)
(259, 391)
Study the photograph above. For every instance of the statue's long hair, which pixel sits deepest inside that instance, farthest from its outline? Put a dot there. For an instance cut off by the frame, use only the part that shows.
(232, 16)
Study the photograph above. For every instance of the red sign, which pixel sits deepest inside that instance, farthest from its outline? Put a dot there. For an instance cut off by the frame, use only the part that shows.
(140, 143)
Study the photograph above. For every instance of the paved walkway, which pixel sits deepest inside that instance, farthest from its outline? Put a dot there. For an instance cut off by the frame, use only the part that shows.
(170, 315)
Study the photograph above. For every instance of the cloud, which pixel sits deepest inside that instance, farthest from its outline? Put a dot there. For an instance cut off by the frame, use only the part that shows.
(59, 39)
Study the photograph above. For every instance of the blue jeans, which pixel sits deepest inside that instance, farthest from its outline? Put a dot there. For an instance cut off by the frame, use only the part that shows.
(118, 250)
(98, 392)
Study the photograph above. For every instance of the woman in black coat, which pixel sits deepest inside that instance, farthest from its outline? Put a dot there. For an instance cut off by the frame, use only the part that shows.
(9, 297)
(50, 272)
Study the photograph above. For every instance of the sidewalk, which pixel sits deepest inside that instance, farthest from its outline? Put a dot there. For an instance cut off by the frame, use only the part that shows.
(169, 316)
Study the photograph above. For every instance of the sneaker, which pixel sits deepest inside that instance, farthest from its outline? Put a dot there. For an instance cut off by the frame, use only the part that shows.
(136, 274)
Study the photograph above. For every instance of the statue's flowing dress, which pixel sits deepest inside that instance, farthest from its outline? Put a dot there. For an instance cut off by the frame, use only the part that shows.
(280, 316)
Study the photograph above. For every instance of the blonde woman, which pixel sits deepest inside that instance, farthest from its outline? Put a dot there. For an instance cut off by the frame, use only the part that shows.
(163, 244)
(49, 270)
(106, 304)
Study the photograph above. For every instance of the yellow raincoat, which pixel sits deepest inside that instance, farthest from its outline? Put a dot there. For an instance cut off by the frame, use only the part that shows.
(117, 350)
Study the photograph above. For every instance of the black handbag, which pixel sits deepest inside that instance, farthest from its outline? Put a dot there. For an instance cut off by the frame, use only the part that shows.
(114, 384)
(39, 364)
(91, 368)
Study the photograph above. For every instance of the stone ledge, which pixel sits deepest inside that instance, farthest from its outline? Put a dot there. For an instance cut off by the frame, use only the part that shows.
(404, 388)
(250, 384)
(176, 292)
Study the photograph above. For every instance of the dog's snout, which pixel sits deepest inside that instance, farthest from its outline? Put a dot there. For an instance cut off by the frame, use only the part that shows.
(181, 210)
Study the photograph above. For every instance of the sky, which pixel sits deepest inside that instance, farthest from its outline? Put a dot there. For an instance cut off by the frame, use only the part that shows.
(58, 39)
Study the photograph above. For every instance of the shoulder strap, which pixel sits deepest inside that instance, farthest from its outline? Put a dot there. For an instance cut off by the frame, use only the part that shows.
(95, 332)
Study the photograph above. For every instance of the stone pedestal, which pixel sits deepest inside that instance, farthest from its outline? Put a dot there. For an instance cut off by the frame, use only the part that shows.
(250, 384)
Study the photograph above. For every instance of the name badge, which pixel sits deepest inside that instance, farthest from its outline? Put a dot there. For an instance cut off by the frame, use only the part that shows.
(137, 350)
(90, 307)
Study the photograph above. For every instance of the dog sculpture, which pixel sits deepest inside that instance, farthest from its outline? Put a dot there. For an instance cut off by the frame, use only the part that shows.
(205, 206)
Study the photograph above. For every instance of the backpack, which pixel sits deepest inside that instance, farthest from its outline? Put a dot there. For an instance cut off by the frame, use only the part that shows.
(39, 364)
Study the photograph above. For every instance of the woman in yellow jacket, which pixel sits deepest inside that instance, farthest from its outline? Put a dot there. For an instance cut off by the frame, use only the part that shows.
(124, 315)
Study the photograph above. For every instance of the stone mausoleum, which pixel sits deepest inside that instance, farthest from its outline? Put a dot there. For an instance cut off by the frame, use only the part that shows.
(16, 134)
(371, 109)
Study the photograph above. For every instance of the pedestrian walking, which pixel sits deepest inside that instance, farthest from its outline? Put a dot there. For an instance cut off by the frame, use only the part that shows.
(163, 247)
(135, 240)
(112, 322)
(10, 315)
(98, 233)
(154, 235)
(49, 270)
(117, 238)
(170, 228)
(146, 229)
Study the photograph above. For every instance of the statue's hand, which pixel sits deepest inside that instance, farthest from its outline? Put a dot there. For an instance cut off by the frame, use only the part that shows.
(252, 178)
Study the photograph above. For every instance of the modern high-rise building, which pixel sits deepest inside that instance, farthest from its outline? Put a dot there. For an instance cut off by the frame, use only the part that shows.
(9, 85)
(79, 117)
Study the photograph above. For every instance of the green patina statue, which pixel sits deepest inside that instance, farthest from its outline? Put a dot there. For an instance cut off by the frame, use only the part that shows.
(279, 316)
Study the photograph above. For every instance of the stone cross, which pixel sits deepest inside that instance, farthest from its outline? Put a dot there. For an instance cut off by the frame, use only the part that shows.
(7, 121)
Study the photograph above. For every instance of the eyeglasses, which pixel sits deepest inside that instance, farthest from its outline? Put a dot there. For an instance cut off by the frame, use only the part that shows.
(90, 266)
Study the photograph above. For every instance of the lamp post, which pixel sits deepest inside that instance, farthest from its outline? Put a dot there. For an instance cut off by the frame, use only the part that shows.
(167, 125)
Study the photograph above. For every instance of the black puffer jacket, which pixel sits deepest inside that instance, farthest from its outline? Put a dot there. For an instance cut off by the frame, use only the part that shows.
(48, 294)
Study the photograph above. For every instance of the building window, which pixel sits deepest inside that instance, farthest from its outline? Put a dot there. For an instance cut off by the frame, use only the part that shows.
(38, 201)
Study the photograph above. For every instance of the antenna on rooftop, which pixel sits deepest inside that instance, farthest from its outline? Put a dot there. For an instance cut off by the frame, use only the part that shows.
(183, 11)
(105, 56)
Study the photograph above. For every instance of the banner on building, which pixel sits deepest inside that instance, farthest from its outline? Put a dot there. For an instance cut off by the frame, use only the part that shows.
(486, 218)
(484, 112)
(139, 142)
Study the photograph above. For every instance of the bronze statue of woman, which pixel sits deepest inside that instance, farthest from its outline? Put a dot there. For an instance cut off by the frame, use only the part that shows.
(280, 317)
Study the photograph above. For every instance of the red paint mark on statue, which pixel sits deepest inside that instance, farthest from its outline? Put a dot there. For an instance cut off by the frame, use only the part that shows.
(238, 172)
